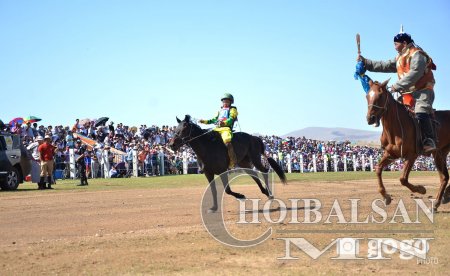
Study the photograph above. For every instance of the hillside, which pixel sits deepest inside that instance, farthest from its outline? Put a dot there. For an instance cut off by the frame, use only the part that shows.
(336, 134)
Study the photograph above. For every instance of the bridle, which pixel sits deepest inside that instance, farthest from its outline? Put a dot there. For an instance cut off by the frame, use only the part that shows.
(183, 139)
(381, 107)
(398, 118)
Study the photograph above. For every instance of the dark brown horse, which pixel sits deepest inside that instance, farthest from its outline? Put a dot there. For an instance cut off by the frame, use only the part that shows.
(210, 149)
(399, 140)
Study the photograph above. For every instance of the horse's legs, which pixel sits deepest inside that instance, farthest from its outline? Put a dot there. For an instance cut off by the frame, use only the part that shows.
(385, 160)
(212, 183)
(409, 163)
(440, 159)
(255, 177)
(259, 165)
(224, 177)
(248, 165)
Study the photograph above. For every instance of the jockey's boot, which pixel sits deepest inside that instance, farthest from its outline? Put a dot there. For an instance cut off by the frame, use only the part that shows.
(41, 184)
(232, 156)
(426, 128)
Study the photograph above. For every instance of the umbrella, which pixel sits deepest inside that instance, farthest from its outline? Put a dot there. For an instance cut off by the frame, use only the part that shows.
(18, 120)
(101, 121)
(31, 119)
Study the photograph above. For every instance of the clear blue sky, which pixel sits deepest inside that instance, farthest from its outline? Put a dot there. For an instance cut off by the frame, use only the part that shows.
(289, 64)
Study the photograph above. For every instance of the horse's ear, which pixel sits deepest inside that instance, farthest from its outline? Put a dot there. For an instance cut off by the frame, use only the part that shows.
(384, 84)
(178, 120)
(370, 83)
(187, 118)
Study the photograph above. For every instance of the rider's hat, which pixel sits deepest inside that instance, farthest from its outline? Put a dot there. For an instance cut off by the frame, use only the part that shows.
(228, 96)
(402, 36)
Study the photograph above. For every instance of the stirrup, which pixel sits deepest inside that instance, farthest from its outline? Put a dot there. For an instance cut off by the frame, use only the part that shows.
(429, 145)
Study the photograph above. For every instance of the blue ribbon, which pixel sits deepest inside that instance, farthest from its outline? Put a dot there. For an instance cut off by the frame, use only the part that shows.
(360, 74)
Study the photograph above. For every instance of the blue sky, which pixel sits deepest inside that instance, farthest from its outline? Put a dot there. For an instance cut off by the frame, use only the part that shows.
(289, 64)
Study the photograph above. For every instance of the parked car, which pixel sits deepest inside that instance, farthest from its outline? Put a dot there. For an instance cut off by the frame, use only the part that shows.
(15, 163)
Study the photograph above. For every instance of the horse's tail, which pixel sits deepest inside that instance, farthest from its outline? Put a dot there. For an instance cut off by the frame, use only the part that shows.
(277, 169)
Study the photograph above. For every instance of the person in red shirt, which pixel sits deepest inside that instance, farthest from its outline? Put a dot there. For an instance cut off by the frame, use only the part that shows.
(46, 151)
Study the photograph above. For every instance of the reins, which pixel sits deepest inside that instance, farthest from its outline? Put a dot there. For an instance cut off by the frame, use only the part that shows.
(183, 142)
(380, 107)
(401, 128)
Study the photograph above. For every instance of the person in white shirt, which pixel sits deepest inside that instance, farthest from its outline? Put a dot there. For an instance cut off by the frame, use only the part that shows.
(36, 161)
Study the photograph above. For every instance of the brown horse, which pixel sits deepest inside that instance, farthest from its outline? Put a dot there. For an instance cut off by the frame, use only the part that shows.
(399, 140)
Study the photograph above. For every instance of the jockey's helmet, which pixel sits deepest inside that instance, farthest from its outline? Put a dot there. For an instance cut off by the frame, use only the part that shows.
(228, 96)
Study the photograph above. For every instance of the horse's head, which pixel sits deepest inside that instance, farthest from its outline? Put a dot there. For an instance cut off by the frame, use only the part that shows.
(182, 133)
(377, 98)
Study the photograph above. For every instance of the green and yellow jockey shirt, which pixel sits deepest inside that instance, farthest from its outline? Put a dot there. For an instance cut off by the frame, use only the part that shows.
(227, 115)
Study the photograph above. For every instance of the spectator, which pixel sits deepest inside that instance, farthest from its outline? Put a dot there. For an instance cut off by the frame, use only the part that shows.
(46, 153)
(113, 172)
(17, 129)
(28, 130)
(76, 126)
(70, 140)
(81, 163)
(35, 162)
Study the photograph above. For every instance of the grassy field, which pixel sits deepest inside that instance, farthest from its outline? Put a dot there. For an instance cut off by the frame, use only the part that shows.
(199, 180)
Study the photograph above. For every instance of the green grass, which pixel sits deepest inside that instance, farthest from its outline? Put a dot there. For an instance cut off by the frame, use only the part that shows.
(180, 181)
(349, 176)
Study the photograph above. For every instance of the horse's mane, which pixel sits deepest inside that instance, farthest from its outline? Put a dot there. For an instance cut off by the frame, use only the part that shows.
(189, 120)
(193, 124)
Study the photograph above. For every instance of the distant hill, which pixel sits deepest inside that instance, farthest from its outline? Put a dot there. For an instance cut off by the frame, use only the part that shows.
(336, 134)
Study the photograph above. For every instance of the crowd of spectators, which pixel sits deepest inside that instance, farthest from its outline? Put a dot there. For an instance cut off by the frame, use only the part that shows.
(303, 149)
(151, 141)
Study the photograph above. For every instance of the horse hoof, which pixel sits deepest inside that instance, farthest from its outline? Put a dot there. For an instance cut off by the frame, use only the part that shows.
(212, 210)
(421, 189)
(387, 200)
(445, 200)
(271, 197)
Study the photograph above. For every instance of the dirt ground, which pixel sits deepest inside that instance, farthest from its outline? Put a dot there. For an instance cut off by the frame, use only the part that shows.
(160, 231)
